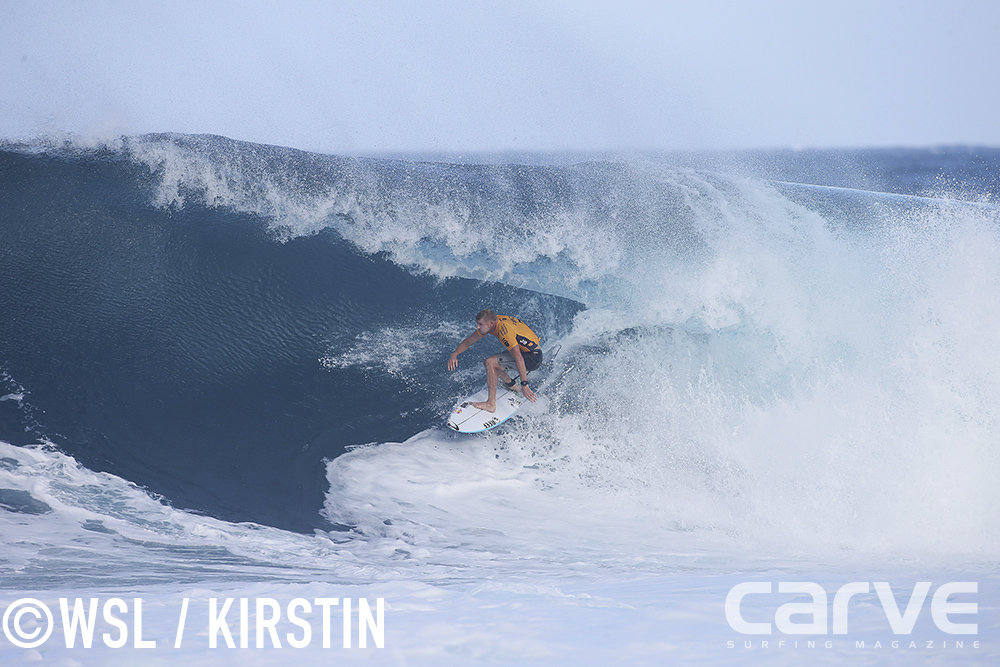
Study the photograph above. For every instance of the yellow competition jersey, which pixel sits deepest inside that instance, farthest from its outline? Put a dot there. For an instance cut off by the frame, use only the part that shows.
(512, 331)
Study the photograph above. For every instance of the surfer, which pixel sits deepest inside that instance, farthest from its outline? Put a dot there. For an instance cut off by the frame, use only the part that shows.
(523, 353)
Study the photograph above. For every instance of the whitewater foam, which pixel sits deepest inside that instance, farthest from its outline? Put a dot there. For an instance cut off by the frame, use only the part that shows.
(789, 382)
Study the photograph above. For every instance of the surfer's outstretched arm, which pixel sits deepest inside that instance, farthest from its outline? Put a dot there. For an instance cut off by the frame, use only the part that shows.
(462, 347)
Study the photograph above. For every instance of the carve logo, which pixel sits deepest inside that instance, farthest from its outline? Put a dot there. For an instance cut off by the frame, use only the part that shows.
(812, 618)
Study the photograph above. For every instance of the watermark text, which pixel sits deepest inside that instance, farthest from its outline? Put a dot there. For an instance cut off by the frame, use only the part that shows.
(227, 622)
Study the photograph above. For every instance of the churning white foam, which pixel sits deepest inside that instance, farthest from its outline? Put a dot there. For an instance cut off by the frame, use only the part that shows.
(770, 381)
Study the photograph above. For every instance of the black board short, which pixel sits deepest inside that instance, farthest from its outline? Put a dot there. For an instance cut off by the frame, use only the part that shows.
(532, 360)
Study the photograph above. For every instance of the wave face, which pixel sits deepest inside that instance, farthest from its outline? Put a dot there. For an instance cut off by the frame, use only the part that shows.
(743, 360)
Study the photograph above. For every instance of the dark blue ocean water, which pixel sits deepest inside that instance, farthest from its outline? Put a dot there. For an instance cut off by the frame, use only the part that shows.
(207, 319)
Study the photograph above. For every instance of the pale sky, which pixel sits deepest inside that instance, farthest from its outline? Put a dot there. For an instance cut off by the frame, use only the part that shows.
(471, 75)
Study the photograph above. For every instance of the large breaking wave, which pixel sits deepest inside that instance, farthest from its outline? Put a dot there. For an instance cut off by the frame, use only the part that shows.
(743, 359)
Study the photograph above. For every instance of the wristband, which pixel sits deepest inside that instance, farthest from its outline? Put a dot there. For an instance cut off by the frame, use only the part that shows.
(524, 383)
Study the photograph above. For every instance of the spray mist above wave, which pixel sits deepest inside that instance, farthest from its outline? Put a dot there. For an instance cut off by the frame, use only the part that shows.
(582, 231)
(589, 231)
(506, 223)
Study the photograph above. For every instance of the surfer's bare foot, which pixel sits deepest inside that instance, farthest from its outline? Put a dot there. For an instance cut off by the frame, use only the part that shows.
(488, 407)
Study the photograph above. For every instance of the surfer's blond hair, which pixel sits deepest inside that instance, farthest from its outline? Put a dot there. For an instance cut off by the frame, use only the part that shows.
(486, 315)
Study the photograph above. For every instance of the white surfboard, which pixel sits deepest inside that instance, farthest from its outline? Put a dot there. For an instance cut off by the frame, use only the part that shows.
(467, 419)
